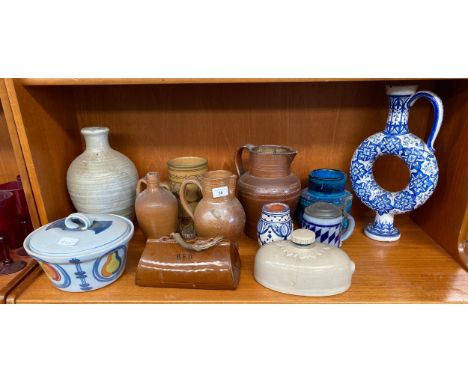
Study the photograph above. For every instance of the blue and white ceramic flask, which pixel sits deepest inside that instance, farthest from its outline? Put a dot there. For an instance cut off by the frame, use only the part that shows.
(418, 156)
(326, 221)
(275, 223)
(326, 185)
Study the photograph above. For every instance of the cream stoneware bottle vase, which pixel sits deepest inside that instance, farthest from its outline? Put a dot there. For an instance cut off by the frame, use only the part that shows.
(418, 156)
(102, 180)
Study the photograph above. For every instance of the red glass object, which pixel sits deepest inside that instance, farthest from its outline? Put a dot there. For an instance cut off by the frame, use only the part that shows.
(22, 226)
(8, 218)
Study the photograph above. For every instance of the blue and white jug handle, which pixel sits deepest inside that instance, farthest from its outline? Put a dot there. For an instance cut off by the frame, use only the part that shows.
(438, 113)
(351, 224)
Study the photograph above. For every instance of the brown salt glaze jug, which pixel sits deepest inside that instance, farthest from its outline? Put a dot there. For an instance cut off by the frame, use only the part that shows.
(269, 180)
(219, 213)
(156, 207)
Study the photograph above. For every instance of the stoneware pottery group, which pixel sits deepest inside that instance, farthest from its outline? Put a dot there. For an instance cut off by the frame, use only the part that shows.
(268, 180)
(326, 185)
(102, 180)
(218, 212)
(418, 156)
(193, 222)
(326, 221)
(82, 252)
(301, 266)
(155, 207)
(275, 223)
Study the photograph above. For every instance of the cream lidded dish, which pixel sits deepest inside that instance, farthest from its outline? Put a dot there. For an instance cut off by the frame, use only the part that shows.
(82, 252)
(303, 267)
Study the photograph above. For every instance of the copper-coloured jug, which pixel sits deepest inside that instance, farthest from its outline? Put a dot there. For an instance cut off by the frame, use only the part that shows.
(268, 180)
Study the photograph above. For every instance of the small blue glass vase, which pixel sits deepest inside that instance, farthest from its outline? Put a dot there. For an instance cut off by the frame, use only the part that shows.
(326, 185)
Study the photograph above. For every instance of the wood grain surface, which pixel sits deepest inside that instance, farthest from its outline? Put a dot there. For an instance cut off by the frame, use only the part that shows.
(8, 282)
(8, 168)
(163, 81)
(444, 213)
(16, 161)
(412, 270)
(152, 124)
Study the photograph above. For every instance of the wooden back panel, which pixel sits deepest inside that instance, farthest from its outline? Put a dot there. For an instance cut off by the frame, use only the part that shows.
(151, 124)
(46, 125)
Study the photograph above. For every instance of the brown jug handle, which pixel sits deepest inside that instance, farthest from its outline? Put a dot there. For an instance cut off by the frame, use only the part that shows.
(183, 201)
(143, 180)
(138, 187)
(165, 185)
(238, 159)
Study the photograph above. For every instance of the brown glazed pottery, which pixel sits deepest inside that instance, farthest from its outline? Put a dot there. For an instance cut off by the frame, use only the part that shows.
(155, 207)
(268, 180)
(164, 263)
(219, 212)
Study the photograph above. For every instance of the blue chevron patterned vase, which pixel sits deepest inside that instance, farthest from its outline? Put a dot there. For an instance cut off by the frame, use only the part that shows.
(398, 141)
(326, 221)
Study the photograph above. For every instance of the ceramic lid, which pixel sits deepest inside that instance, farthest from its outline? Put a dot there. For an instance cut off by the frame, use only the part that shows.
(79, 234)
(303, 236)
(323, 210)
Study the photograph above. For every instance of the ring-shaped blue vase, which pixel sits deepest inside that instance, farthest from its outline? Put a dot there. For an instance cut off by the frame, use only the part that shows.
(398, 141)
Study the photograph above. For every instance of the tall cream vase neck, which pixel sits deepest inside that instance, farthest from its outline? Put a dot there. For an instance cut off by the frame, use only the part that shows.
(96, 138)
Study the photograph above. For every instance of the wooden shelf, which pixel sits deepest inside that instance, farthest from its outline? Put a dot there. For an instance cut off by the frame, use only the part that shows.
(412, 270)
(324, 119)
(8, 282)
(162, 81)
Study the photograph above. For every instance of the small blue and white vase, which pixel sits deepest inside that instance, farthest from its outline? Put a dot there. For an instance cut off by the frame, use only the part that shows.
(326, 221)
(398, 141)
(274, 224)
(326, 185)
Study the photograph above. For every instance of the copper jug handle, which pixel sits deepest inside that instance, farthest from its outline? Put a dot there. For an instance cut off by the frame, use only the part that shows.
(183, 201)
(238, 159)
(138, 187)
(143, 180)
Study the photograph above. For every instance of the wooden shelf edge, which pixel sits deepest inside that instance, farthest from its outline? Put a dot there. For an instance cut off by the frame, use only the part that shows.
(18, 279)
(172, 81)
(28, 278)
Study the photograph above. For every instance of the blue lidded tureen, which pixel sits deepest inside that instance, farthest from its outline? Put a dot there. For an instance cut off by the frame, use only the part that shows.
(82, 252)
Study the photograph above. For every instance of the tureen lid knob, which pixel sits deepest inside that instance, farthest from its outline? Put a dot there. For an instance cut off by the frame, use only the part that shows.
(303, 236)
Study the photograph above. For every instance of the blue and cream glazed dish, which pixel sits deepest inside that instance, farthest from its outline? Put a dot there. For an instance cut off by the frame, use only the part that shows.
(82, 252)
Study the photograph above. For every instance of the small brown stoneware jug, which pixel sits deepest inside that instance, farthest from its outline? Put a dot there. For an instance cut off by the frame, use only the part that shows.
(269, 180)
(219, 213)
(156, 207)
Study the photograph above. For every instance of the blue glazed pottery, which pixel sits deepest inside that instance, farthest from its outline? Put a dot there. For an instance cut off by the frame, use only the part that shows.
(398, 141)
(326, 185)
(275, 223)
(326, 221)
(82, 252)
